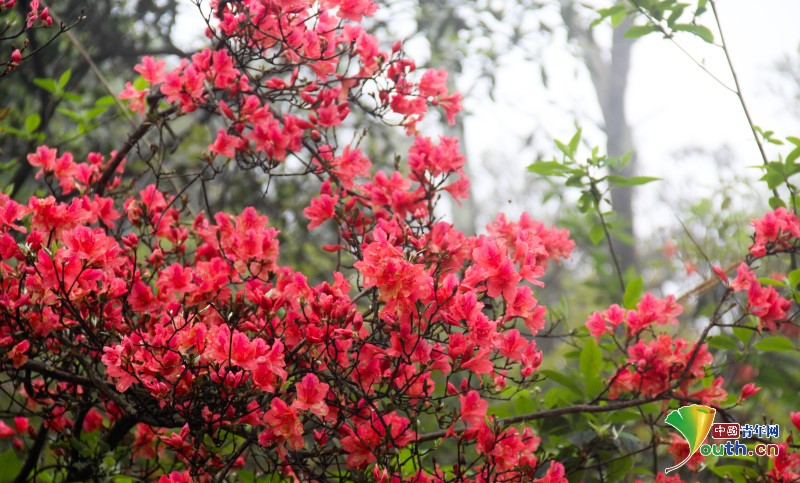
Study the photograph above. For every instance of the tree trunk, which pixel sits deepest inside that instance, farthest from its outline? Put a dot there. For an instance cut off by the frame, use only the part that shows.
(609, 76)
(619, 142)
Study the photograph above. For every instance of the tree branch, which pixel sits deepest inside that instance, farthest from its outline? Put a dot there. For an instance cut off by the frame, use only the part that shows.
(551, 413)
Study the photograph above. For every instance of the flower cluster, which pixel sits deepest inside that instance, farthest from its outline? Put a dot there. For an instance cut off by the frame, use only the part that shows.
(185, 330)
(662, 365)
(762, 301)
(776, 231)
(37, 16)
(650, 310)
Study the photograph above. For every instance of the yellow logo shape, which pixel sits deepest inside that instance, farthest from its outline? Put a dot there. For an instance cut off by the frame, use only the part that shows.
(693, 423)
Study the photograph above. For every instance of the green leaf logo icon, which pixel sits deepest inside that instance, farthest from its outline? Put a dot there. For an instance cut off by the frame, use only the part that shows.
(693, 423)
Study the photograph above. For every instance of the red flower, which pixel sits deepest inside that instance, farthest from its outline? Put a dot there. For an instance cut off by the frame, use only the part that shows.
(795, 418)
(555, 474)
(748, 390)
(6, 431)
(151, 70)
(19, 354)
(284, 423)
(321, 209)
(473, 408)
(311, 395)
(777, 229)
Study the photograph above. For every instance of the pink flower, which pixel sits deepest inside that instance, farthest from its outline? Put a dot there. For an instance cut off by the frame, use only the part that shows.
(777, 229)
(720, 274)
(322, 209)
(135, 97)
(225, 144)
(795, 418)
(311, 395)
(284, 423)
(19, 354)
(748, 390)
(151, 70)
(555, 474)
(433, 83)
(6, 431)
(473, 408)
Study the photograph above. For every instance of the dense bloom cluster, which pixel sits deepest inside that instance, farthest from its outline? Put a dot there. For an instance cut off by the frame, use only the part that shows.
(182, 337)
(786, 466)
(776, 231)
(185, 331)
(762, 301)
(650, 310)
(660, 365)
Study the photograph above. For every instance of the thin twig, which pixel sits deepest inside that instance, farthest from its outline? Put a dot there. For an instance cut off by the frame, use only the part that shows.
(738, 86)
(99, 74)
(613, 252)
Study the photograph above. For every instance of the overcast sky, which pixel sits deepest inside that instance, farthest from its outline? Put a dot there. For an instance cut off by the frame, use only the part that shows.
(671, 104)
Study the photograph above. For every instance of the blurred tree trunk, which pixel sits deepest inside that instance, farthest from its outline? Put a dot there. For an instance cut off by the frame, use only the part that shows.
(619, 140)
(609, 74)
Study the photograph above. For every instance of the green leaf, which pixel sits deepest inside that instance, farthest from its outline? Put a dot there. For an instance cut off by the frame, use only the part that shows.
(573, 143)
(633, 292)
(773, 179)
(93, 113)
(632, 181)
(32, 122)
(10, 464)
(793, 278)
(549, 168)
(699, 30)
(624, 415)
(618, 18)
(62, 81)
(677, 11)
(770, 281)
(596, 234)
(47, 84)
(105, 101)
(575, 181)
(618, 469)
(75, 116)
(563, 379)
(723, 342)
(639, 31)
(559, 396)
(591, 361)
(734, 472)
(775, 202)
(701, 7)
(774, 343)
(743, 334)
(140, 84)
(615, 12)
(71, 96)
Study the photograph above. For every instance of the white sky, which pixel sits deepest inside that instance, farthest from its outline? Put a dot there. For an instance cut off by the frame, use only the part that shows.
(671, 104)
